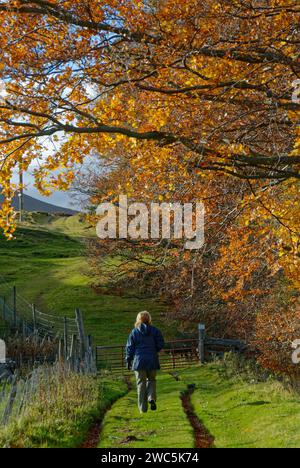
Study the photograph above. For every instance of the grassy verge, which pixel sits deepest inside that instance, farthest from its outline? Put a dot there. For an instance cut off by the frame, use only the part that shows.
(245, 414)
(64, 420)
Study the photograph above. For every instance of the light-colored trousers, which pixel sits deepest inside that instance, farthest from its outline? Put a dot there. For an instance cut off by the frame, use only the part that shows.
(146, 387)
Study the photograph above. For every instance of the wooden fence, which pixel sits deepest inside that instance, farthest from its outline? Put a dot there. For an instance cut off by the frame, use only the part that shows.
(177, 354)
(209, 347)
(42, 349)
(66, 334)
(16, 392)
(27, 319)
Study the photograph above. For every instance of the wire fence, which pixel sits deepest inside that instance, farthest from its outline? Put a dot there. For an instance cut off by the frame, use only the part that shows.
(18, 394)
(35, 337)
(27, 319)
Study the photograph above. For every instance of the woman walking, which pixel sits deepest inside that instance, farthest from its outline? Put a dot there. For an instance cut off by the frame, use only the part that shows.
(143, 345)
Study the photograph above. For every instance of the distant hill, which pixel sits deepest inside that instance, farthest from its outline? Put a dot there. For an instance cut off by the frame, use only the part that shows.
(33, 205)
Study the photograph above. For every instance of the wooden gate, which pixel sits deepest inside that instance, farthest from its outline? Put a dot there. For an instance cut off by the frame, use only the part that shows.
(176, 355)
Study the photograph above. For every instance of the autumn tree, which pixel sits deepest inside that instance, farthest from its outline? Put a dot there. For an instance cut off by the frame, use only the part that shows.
(213, 80)
(176, 101)
(242, 284)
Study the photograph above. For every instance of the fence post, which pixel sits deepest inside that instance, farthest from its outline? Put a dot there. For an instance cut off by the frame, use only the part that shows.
(201, 328)
(60, 350)
(91, 355)
(81, 334)
(24, 330)
(11, 399)
(72, 355)
(173, 358)
(34, 318)
(90, 344)
(66, 337)
(88, 354)
(15, 306)
(4, 310)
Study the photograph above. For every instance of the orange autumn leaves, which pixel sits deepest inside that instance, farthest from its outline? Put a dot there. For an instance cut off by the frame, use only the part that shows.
(212, 78)
(181, 101)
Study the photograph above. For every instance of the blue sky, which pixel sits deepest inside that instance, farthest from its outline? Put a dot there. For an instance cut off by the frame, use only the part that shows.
(58, 198)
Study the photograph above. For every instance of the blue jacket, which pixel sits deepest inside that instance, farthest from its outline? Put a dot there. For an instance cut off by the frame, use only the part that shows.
(143, 346)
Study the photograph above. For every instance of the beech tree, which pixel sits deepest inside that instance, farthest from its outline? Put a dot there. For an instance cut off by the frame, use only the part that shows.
(176, 101)
(211, 80)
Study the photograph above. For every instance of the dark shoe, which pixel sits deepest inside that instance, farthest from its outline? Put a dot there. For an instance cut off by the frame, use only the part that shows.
(129, 364)
(153, 405)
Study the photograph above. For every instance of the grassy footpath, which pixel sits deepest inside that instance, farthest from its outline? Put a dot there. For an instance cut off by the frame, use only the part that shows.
(168, 427)
(50, 269)
(238, 414)
(65, 421)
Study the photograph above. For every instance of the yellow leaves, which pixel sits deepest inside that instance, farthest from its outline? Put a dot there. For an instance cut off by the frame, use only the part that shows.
(7, 219)
(61, 73)
(265, 235)
(295, 238)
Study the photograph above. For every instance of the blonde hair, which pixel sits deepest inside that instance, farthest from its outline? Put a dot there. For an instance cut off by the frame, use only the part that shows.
(143, 317)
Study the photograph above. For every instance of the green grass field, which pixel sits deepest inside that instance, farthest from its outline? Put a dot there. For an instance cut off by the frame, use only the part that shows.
(49, 268)
(237, 413)
(246, 414)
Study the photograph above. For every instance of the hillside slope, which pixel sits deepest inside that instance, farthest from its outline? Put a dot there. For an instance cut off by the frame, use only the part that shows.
(48, 265)
(72, 226)
(34, 205)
